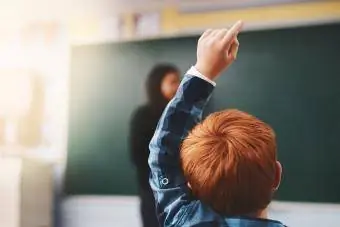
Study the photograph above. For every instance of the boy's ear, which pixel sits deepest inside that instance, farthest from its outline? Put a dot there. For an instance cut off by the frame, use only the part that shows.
(189, 185)
(278, 176)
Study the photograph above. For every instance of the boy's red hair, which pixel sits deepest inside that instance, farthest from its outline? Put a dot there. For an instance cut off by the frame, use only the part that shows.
(229, 161)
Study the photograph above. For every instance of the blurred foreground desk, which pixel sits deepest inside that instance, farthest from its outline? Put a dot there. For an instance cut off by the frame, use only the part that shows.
(26, 193)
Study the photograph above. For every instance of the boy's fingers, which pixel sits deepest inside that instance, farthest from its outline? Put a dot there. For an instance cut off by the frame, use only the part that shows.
(232, 53)
(232, 33)
(236, 42)
(234, 48)
(221, 33)
(215, 33)
(206, 33)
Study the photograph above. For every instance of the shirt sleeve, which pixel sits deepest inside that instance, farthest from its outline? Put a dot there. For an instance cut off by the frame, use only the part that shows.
(194, 72)
(167, 181)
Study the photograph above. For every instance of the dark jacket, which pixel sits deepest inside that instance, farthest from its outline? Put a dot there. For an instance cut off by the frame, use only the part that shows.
(143, 125)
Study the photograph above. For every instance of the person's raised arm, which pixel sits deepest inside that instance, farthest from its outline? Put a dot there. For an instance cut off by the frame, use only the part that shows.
(216, 50)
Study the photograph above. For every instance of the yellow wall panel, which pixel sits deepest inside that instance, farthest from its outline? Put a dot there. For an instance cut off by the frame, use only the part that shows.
(175, 21)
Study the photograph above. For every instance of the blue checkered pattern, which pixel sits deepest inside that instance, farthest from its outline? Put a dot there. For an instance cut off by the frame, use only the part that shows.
(175, 206)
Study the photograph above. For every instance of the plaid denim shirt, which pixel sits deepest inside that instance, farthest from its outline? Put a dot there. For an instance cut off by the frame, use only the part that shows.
(175, 205)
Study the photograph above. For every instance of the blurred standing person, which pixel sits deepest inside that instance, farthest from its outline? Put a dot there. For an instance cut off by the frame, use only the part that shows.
(161, 86)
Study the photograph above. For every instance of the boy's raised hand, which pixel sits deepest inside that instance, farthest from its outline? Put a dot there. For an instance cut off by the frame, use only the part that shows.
(217, 49)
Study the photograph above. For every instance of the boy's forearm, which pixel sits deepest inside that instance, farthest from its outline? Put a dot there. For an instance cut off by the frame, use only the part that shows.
(179, 117)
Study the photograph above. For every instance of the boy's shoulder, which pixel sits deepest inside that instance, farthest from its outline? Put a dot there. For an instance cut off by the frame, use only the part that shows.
(200, 215)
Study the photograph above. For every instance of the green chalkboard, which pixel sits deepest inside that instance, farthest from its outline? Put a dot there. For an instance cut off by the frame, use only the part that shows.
(289, 78)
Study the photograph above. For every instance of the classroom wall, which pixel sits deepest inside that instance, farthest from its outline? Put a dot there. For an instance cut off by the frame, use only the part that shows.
(10, 192)
(287, 77)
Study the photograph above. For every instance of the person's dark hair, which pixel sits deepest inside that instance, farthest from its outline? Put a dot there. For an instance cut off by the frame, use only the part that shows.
(153, 84)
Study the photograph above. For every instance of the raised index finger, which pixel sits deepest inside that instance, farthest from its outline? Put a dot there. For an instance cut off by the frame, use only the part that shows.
(232, 33)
